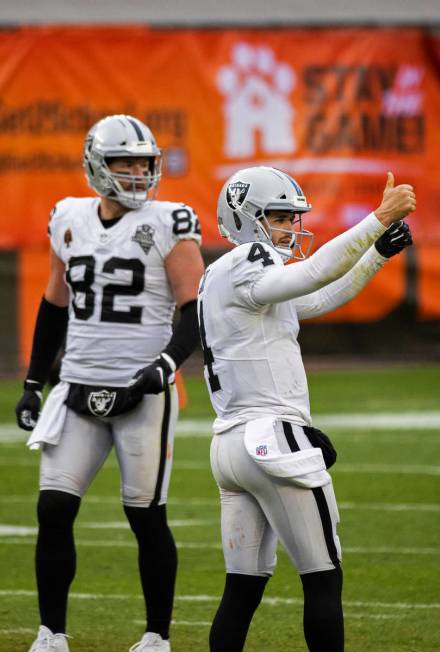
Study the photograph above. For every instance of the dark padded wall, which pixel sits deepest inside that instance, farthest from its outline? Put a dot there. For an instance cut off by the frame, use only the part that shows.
(8, 313)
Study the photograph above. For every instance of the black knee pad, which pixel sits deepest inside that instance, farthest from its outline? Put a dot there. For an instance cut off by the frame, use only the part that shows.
(57, 509)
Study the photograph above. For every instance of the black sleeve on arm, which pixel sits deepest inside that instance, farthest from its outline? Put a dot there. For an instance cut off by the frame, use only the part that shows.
(186, 334)
(50, 329)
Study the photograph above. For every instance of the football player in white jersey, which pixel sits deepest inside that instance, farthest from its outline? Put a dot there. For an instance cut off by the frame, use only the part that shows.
(269, 461)
(120, 263)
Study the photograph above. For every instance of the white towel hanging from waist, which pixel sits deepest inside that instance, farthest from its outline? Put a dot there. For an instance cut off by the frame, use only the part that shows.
(304, 468)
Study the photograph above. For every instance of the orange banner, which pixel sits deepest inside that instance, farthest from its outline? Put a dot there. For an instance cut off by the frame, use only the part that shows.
(335, 108)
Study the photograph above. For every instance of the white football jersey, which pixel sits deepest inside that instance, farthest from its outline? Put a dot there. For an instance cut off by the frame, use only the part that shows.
(253, 364)
(121, 304)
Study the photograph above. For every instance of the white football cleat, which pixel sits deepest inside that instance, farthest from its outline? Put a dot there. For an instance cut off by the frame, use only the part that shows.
(151, 642)
(48, 642)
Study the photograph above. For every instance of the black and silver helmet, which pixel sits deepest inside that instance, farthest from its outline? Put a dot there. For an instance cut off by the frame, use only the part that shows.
(121, 136)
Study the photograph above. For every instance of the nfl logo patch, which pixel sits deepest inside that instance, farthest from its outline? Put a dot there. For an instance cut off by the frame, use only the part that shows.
(261, 450)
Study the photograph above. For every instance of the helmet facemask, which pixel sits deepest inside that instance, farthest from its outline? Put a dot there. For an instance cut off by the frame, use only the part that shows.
(138, 188)
(300, 239)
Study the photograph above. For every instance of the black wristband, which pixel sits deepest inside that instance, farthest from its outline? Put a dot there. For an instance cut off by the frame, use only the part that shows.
(50, 329)
(186, 334)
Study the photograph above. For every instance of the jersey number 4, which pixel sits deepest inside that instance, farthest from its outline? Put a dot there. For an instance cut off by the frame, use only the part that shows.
(258, 252)
(84, 309)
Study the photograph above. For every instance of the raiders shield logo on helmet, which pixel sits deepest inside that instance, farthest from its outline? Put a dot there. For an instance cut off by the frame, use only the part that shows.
(236, 194)
(100, 403)
(144, 237)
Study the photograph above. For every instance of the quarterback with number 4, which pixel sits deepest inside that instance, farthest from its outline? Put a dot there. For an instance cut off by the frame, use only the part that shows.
(120, 263)
(269, 461)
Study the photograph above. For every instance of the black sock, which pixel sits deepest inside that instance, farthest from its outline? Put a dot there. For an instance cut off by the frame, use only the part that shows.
(323, 617)
(55, 558)
(157, 564)
(241, 596)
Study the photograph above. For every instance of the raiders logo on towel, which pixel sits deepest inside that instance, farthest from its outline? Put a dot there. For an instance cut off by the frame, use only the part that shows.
(236, 194)
(100, 403)
(144, 237)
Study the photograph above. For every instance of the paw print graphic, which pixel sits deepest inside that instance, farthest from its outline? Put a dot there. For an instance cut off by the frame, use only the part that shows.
(256, 89)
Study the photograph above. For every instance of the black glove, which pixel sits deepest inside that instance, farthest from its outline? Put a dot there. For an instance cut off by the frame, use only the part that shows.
(28, 407)
(395, 238)
(154, 378)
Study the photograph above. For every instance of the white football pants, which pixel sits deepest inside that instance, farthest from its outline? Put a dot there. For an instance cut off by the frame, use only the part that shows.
(257, 510)
(143, 439)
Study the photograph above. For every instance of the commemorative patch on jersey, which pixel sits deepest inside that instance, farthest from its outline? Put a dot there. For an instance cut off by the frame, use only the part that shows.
(100, 403)
(236, 194)
(144, 237)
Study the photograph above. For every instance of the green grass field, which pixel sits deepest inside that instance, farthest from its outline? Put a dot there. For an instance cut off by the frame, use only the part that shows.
(387, 484)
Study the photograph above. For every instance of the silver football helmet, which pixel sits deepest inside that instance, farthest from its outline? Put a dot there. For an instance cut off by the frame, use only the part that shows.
(244, 200)
(120, 136)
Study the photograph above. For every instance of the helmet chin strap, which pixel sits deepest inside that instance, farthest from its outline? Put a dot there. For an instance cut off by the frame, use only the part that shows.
(284, 252)
(267, 234)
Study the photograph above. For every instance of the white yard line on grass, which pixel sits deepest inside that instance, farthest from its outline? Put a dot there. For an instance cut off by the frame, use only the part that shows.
(371, 421)
(399, 469)
(208, 623)
(17, 531)
(17, 630)
(181, 623)
(389, 550)
(380, 420)
(111, 500)
(423, 420)
(188, 465)
(209, 502)
(269, 601)
(13, 530)
(11, 535)
(123, 525)
(356, 616)
(390, 507)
